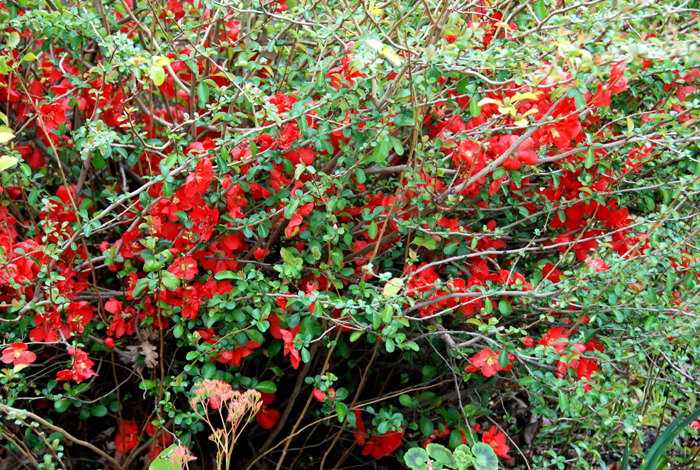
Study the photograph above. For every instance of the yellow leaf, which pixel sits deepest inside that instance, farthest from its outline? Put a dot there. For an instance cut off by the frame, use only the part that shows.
(507, 110)
(7, 162)
(3, 117)
(6, 134)
(374, 44)
(630, 125)
(163, 62)
(523, 96)
(374, 11)
(489, 101)
(389, 54)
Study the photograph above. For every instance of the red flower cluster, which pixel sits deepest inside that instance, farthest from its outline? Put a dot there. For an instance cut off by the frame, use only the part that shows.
(82, 367)
(378, 445)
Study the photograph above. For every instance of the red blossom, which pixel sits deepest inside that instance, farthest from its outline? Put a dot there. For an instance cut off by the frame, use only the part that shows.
(52, 115)
(82, 367)
(487, 361)
(17, 354)
(128, 437)
(184, 268)
(267, 417)
(497, 440)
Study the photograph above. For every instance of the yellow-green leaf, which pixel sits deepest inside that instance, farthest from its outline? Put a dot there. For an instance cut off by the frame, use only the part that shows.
(157, 74)
(393, 287)
(7, 162)
(489, 101)
(523, 96)
(6, 134)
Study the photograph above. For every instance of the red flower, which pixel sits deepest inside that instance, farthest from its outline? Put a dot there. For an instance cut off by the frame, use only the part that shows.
(79, 316)
(555, 338)
(128, 437)
(17, 354)
(184, 268)
(345, 74)
(235, 357)
(289, 348)
(260, 253)
(198, 182)
(361, 433)
(49, 327)
(497, 440)
(121, 321)
(82, 367)
(267, 398)
(319, 395)
(386, 444)
(52, 115)
(292, 227)
(586, 368)
(204, 220)
(267, 417)
(487, 360)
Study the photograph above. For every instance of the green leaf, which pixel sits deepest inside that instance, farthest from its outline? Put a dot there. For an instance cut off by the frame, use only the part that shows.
(12, 40)
(393, 287)
(341, 410)
(178, 331)
(202, 94)
(29, 57)
(208, 370)
(416, 458)
(426, 427)
(499, 173)
(157, 74)
(62, 405)
(355, 335)
(372, 230)
(624, 465)
(504, 307)
(162, 462)
(474, 108)
(98, 411)
(484, 457)
(255, 335)
(462, 455)
(503, 359)
(563, 401)
(666, 439)
(590, 159)
(441, 454)
(152, 265)
(7, 162)
(451, 248)
(381, 151)
(540, 9)
(266, 387)
(406, 400)
(170, 280)
(220, 276)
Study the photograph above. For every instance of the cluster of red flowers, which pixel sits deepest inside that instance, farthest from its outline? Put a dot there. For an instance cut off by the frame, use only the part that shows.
(377, 446)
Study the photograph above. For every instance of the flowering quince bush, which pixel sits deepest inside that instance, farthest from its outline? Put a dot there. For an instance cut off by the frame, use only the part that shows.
(298, 234)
